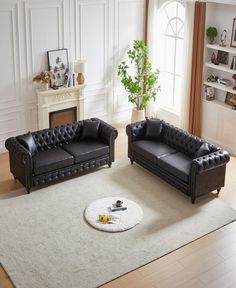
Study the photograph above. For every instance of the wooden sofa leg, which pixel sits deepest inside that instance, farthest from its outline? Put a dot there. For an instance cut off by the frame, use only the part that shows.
(28, 190)
(193, 200)
(218, 191)
(109, 165)
(131, 161)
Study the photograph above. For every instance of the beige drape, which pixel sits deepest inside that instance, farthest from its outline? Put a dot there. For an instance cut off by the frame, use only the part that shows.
(151, 30)
(197, 68)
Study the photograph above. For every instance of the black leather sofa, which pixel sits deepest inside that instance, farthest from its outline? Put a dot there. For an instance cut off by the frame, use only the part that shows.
(45, 156)
(189, 163)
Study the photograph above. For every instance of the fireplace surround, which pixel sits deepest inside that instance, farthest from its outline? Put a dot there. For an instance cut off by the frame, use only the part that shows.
(61, 99)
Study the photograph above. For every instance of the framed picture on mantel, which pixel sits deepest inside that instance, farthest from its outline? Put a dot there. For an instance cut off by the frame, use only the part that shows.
(233, 36)
(58, 66)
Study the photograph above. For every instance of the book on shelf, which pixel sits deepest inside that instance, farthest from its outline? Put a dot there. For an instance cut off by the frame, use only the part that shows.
(114, 209)
(114, 218)
(233, 63)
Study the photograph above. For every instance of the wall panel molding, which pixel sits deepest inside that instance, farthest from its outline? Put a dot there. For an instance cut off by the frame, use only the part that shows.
(126, 29)
(10, 91)
(84, 39)
(31, 8)
(95, 30)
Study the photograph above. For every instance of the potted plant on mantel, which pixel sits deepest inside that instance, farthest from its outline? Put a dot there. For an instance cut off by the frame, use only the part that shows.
(44, 78)
(142, 87)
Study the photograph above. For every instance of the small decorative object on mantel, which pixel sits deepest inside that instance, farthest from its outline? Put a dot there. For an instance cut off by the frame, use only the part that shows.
(233, 36)
(59, 67)
(44, 78)
(55, 85)
(211, 33)
(80, 67)
(234, 78)
(223, 38)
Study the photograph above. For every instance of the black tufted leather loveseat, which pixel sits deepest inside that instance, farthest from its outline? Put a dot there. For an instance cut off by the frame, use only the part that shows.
(56, 153)
(189, 163)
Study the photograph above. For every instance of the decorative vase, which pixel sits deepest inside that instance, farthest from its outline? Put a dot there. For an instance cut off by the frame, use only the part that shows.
(45, 86)
(211, 40)
(137, 115)
(80, 79)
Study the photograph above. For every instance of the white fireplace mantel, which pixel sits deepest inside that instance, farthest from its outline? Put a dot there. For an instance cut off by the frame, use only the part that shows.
(59, 99)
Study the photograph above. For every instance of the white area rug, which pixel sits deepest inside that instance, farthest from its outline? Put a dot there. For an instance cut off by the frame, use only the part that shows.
(46, 243)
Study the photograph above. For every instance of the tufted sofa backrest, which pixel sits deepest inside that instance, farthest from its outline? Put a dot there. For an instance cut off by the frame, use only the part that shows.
(182, 140)
(54, 137)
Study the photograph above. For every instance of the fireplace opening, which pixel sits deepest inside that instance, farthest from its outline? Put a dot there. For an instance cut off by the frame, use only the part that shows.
(60, 117)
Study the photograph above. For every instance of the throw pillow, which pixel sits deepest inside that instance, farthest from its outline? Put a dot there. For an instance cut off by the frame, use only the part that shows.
(90, 129)
(153, 129)
(28, 142)
(203, 150)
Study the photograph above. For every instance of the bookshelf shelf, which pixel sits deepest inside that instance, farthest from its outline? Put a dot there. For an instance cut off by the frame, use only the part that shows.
(228, 49)
(220, 87)
(220, 67)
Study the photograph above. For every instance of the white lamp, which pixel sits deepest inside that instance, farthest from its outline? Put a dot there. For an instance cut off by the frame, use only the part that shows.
(80, 67)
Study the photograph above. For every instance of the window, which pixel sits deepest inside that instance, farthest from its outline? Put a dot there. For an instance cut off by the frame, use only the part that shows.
(172, 17)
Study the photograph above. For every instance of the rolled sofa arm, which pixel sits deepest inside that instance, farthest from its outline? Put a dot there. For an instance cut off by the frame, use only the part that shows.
(210, 161)
(136, 131)
(18, 151)
(108, 135)
(21, 164)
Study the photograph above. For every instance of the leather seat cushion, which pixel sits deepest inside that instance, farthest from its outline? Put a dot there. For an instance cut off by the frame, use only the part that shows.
(51, 159)
(85, 150)
(152, 149)
(176, 164)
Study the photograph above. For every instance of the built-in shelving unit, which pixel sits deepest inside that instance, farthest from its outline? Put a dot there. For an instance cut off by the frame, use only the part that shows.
(218, 118)
(220, 67)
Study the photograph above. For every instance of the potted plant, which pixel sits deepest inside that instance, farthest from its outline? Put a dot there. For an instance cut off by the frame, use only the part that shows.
(211, 34)
(44, 78)
(142, 85)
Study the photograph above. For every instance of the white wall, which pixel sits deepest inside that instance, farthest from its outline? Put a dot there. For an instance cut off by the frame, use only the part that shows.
(99, 31)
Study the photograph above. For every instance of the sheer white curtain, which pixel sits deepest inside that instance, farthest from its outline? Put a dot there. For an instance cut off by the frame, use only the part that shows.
(188, 47)
(152, 40)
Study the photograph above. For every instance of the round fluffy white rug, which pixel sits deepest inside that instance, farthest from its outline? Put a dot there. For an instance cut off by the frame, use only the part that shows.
(126, 219)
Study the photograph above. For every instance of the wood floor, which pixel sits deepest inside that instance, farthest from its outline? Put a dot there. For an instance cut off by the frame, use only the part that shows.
(208, 262)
